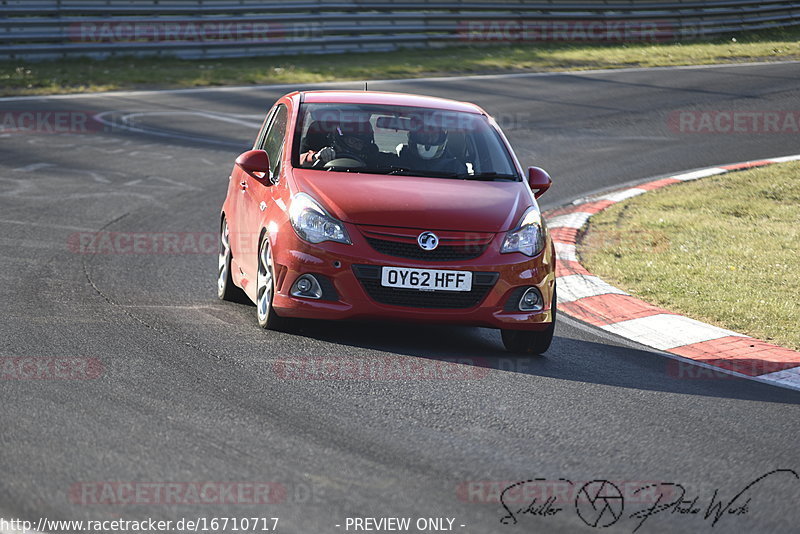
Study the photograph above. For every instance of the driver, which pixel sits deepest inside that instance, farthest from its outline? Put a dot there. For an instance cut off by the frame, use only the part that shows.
(352, 140)
(427, 151)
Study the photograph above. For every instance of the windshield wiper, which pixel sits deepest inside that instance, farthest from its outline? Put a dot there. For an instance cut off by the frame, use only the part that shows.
(404, 171)
(493, 176)
(392, 169)
(424, 173)
(486, 176)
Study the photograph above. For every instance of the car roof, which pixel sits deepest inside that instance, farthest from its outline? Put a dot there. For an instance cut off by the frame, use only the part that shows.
(390, 99)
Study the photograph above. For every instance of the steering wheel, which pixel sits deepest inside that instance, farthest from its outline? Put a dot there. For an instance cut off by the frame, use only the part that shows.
(345, 161)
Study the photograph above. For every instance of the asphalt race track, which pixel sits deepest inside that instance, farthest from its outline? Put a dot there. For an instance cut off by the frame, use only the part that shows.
(191, 391)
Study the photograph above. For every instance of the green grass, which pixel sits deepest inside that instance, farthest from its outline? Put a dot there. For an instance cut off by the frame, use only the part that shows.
(723, 250)
(84, 75)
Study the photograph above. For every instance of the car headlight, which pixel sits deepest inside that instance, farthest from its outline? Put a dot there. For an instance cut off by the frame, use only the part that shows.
(313, 223)
(528, 236)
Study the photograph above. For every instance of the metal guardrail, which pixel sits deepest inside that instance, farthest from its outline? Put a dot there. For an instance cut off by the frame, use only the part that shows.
(236, 28)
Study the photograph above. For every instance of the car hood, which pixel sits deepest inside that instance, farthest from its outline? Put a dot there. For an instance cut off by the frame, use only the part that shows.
(413, 202)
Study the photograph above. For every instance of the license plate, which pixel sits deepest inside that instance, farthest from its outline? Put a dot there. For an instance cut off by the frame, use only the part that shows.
(426, 279)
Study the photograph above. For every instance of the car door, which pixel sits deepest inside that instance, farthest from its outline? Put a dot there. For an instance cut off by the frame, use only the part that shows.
(258, 192)
(236, 211)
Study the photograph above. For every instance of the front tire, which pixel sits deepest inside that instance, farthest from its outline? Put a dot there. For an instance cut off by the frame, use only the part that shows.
(531, 342)
(265, 290)
(226, 289)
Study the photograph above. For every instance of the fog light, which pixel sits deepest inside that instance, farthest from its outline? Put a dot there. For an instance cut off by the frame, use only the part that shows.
(306, 286)
(531, 300)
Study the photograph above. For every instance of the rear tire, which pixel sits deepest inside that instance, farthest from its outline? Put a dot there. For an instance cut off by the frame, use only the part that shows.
(226, 289)
(528, 341)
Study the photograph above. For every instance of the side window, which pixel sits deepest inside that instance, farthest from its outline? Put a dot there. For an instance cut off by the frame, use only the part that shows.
(273, 141)
(263, 132)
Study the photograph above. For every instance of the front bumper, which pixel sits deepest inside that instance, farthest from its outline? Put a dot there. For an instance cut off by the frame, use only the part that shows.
(354, 292)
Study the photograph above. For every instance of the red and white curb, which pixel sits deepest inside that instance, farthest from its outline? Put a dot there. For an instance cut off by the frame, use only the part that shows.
(588, 298)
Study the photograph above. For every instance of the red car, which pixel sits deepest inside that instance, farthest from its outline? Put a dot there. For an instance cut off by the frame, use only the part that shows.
(369, 205)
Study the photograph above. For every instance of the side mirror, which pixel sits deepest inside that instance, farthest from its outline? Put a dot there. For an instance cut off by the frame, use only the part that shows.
(255, 163)
(539, 181)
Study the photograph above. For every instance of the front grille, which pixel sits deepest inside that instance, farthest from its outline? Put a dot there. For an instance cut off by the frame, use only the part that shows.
(440, 253)
(370, 278)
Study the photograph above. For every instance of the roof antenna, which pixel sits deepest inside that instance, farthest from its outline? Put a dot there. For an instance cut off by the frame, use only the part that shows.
(365, 86)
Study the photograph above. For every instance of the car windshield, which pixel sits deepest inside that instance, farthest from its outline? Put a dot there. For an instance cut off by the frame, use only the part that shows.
(399, 140)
